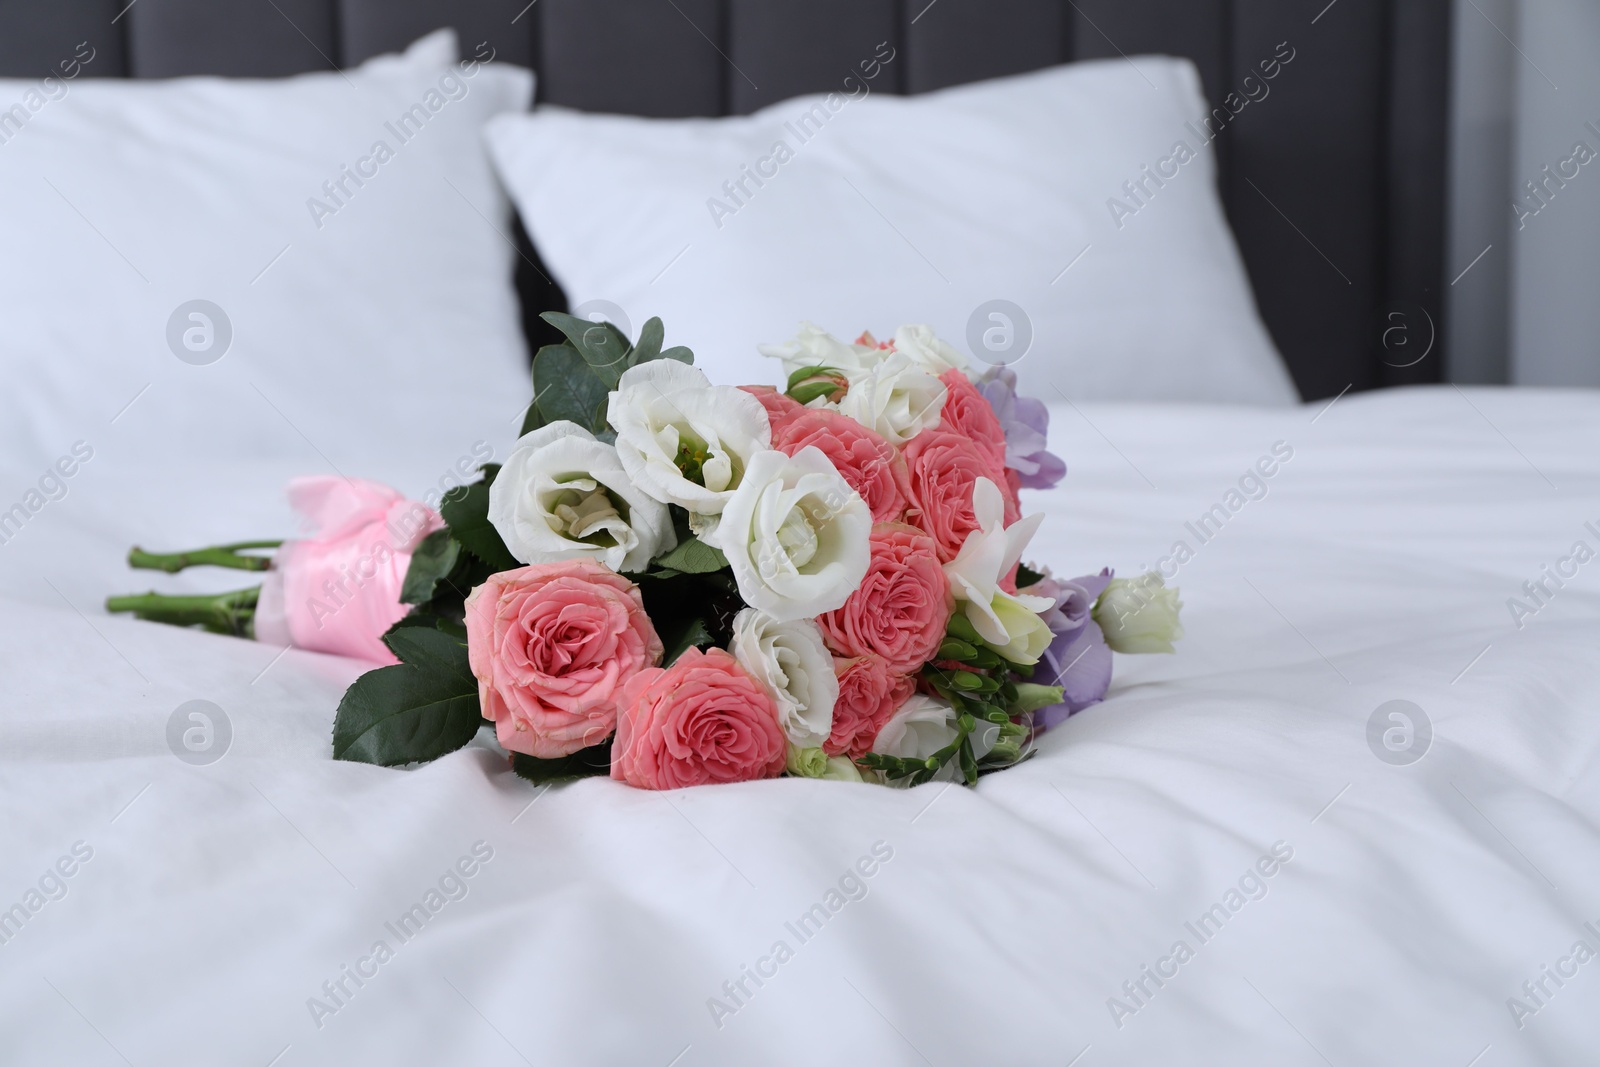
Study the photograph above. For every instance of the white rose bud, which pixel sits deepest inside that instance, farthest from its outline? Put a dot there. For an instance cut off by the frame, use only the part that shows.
(563, 494)
(1139, 614)
(795, 534)
(791, 662)
(683, 440)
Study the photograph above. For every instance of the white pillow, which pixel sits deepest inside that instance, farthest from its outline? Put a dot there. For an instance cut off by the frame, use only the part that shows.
(881, 210)
(361, 317)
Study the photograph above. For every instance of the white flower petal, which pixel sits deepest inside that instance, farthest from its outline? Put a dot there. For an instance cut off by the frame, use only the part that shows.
(665, 374)
(815, 347)
(894, 398)
(562, 494)
(663, 406)
(922, 726)
(1008, 622)
(919, 343)
(784, 573)
(792, 663)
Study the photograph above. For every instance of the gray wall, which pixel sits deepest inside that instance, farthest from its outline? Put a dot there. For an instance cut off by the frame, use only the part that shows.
(1555, 275)
(1526, 82)
(1476, 306)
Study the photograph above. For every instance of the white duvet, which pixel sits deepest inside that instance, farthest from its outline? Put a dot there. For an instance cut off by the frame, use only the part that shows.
(1331, 906)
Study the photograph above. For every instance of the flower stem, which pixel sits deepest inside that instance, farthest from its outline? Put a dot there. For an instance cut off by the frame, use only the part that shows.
(215, 556)
(220, 613)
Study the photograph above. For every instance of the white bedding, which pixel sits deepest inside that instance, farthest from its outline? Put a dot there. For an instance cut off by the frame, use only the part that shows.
(218, 899)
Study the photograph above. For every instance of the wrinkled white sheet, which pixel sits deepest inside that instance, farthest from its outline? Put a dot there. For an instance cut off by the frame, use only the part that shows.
(219, 899)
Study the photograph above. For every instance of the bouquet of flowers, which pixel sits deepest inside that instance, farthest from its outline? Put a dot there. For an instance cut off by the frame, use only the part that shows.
(675, 582)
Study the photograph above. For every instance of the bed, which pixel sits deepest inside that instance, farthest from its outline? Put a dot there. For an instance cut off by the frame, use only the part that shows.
(1350, 821)
(1418, 898)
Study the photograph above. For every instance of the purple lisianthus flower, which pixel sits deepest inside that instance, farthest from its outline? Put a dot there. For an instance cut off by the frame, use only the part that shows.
(1025, 422)
(1078, 660)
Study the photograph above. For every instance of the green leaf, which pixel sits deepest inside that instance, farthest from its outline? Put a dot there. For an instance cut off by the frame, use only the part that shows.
(601, 345)
(649, 347)
(1027, 576)
(415, 711)
(678, 639)
(451, 625)
(533, 420)
(584, 763)
(432, 560)
(568, 388)
(693, 556)
(428, 647)
(448, 602)
(466, 512)
(411, 619)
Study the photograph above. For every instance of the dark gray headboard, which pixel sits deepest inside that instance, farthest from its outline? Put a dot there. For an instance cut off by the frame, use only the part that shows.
(1334, 183)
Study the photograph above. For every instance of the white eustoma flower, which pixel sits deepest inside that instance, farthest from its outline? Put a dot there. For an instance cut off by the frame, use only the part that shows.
(1008, 622)
(683, 440)
(796, 535)
(791, 662)
(923, 348)
(1139, 614)
(563, 494)
(920, 727)
(815, 347)
(894, 397)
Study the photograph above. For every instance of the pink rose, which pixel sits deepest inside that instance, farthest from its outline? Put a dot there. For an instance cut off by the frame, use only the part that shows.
(864, 459)
(552, 646)
(870, 692)
(967, 412)
(902, 606)
(339, 590)
(942, 467)
(699, 721)
(780, 406)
